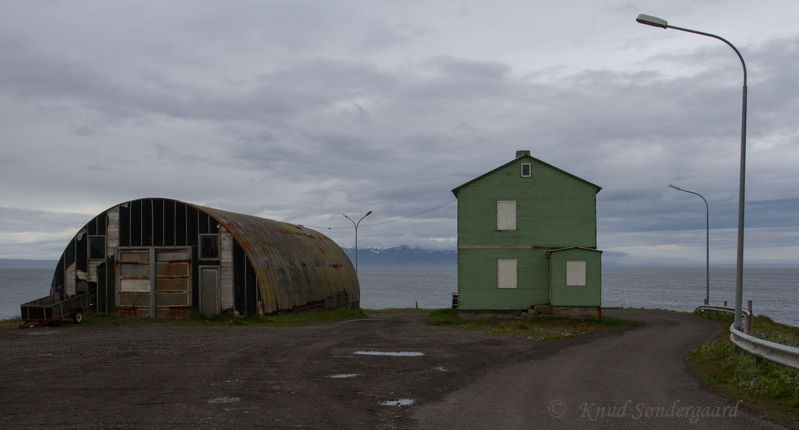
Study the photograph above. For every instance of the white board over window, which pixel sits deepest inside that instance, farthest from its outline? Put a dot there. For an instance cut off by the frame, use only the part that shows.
(575, 273)
(506, 215)
(506, 273)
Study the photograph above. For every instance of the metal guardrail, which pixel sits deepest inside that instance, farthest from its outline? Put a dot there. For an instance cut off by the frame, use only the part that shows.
(772, 351)
(726, 309)
(776, 352)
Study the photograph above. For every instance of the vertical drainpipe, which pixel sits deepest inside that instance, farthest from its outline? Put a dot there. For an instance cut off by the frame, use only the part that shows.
(152, 282)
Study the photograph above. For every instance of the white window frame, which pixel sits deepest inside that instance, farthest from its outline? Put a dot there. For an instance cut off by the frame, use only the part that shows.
(529, 170)
(507, 273)
(506, 215)
(576, 273)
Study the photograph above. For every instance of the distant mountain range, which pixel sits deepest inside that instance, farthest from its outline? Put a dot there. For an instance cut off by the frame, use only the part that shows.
(403, 256)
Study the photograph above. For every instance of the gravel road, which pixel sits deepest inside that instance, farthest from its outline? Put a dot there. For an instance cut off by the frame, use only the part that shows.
(385, 371)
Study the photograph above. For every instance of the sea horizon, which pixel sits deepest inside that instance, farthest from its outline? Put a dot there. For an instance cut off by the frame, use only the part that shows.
(681, 288)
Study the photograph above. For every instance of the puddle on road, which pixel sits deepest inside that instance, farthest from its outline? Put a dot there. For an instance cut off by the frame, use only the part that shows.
(441, 368)
(343, 376)
(224, 400)
(390, 353)
(41, 332)
(398, 402)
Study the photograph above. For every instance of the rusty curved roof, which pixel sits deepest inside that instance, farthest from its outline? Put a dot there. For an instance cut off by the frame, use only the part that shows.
(294, 265)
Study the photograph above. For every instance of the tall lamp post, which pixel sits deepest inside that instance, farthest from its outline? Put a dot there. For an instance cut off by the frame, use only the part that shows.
(739, 269)
(356, 224)
(707, 241)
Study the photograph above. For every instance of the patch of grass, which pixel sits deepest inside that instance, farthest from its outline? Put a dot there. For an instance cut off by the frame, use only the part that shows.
(535, 330)
(764, 386)
(395, 310)
(9, 324)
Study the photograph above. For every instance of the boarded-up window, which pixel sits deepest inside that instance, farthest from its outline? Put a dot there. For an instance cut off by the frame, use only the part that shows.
(575, 273)
(506, 215)
(506, 273)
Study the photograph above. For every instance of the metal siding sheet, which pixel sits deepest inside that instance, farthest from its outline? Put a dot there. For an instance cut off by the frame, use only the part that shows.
(135, 223)
(238, 277)
(124, 225)
(82, 252)
(101, 224)
(92, 274)
(69, 280)
(226, 269)
(112, 236)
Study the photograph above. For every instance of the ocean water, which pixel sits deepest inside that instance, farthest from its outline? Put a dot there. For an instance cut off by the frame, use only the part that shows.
(773, 291)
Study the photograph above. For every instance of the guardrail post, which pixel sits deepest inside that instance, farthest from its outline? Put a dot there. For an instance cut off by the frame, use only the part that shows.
(749, 320)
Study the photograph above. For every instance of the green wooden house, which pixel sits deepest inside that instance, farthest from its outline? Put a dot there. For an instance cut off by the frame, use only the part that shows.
(527, 241)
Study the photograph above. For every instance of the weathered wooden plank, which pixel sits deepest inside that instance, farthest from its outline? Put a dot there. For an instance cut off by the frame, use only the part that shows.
(134, 286)
(134, 257)
(174, 255)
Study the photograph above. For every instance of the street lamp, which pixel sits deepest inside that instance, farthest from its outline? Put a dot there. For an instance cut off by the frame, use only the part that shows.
(707, 241)
(356, 224)
(739, 269)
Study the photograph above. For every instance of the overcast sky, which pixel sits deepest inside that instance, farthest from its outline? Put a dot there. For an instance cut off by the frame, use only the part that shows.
(301, 111)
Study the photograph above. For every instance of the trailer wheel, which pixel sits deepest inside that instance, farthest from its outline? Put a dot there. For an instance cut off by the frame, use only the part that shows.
(77, 317)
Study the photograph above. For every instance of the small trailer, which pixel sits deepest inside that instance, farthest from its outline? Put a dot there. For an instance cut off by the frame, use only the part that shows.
(51, 308)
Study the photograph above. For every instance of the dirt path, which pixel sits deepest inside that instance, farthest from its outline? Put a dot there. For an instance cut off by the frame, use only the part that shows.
(329, 376)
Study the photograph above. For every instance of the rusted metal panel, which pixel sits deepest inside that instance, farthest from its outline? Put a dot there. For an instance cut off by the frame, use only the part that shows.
(172, 299)
(172, 269)
(172, 284)
(295, 266)
(173, 312)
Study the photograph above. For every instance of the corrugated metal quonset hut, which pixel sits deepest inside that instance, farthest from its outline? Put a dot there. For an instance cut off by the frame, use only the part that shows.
(166, 258)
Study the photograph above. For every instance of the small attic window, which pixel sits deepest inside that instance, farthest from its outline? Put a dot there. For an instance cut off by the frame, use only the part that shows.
(527, 170)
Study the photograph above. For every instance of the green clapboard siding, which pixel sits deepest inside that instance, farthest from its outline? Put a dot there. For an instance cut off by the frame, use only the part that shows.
(554, 209)
(565, 295)
(477, 279)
